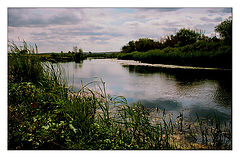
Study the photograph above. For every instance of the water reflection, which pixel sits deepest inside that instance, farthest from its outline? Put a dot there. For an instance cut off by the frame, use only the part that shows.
(206, 92)
(186, 76)
(193, 91)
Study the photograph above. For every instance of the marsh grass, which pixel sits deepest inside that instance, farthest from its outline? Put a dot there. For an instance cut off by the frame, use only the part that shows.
(22, 65)
(44, 113)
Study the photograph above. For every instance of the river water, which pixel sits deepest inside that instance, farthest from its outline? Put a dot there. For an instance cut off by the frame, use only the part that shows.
(173, 89)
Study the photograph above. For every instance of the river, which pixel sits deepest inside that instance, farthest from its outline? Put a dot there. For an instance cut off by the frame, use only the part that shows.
(170, 88)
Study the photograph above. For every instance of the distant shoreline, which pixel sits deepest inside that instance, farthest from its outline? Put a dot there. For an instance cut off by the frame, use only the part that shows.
(137, 63)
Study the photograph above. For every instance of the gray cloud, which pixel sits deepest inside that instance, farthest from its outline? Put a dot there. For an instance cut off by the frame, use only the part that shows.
(102, 42)
(95, 38)
(170, 29)
(159, 9)
(80, 32)
(217, 19)
(40, 34)
(220, 10)
(34, 18)
(205, 27)
(227, 10)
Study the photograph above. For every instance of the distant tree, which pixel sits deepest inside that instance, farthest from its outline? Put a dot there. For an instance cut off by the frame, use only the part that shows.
(225, 30)
(141, 45)
(69, 51)
(61, 51)
(187, 36)
(125, 49)
(131, 44)
(170, 41)
(130, 47)
(145, 44)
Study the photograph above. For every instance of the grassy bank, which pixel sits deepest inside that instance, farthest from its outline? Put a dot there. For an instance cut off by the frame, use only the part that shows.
(61, 57)
(103, 55)
(201, 54)
(44, 113)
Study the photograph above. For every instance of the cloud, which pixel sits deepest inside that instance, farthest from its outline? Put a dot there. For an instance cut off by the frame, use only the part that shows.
(160, 9)
(105, 29)
(227, 10)
(170, 29)
(38, 17)
(205, 27)
(220, 10)
(217, 19)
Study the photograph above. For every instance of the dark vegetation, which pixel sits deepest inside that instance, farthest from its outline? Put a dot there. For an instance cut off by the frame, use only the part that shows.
(201, 53)
(103, 55)
(62, 57)
(186, 47)
(44, 113)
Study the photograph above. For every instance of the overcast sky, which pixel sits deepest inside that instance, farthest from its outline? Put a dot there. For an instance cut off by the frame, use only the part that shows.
(105, 29)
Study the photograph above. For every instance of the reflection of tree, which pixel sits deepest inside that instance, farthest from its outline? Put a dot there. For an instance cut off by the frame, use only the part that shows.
(139, 69)
(223, 94)
(223, 97)
(184, 76)
(207, 112)
(78, 64)
(162, 104)
(188, 81)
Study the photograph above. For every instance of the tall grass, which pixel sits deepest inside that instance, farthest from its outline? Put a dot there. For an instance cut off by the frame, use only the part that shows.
(24, 67)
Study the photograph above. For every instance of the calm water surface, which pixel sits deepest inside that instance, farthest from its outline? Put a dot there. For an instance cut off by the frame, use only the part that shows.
(206, 92)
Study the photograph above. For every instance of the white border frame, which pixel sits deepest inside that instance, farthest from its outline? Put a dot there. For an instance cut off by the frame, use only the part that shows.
(235, 4)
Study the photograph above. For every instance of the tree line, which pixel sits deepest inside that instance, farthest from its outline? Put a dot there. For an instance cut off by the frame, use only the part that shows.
(182, 38)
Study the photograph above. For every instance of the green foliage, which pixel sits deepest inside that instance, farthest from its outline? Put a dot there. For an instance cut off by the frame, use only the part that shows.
(103, 55)
(141, 45)
(186, 37)
(130, 47)
(183, 37)
(62, 57)
(23, 66)
(144, 44)
(225, 30)
(79, 57)
(201, 53)
(170, 41)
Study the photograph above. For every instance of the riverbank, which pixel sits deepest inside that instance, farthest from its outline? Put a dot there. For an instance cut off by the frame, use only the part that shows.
(190, 55)
(61, 57)
(166, 66)
(199, 55)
